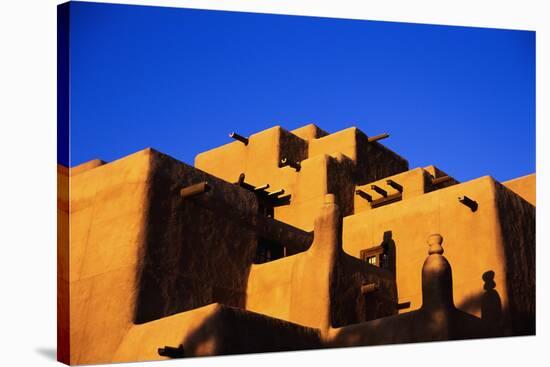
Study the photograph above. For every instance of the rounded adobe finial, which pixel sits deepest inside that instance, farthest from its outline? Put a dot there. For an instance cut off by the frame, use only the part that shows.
(437, 279)
(330, 199)
(435, 241)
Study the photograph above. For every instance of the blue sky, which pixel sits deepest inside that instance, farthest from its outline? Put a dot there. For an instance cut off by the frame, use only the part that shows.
(179, 80)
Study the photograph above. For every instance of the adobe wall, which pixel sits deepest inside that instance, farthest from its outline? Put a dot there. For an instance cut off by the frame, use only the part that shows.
(409, 184)
(372, 161)
(322, 286)
(215, 330)
(108, 212)
(141, 341)
(258, 160)
(148, 266)
(517, 221)
(269, 287)
(329, 163)
(319, 176)
(140, 252)
(411, 327)
(413, 182)
(525, 187)
(127, 244)
(198, 249)
(349, 304)
(91, 164)
(476, 242)
(63, 296)
(309, 132)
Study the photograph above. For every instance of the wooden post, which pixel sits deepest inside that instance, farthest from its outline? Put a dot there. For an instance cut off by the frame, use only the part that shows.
(472, 204)
(238, 137)
(395, 185)
(171, 352)
(379, 190)
(194, 189)
(379, 137)
(364, 195)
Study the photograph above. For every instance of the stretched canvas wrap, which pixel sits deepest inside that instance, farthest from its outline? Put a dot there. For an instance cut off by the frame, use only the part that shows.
(234, 183)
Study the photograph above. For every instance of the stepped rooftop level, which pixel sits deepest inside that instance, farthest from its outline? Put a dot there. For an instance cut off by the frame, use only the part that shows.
(287, 240)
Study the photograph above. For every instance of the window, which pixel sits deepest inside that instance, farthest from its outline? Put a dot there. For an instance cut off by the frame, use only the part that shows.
(382, 255)
(371, 256)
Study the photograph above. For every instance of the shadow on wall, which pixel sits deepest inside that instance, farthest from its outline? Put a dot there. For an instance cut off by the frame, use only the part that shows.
(375, 306)
(365, 290)
(192, 255)
(518, 223)
(490, 304)
(235, 331)
(389, 254)
(198, 248)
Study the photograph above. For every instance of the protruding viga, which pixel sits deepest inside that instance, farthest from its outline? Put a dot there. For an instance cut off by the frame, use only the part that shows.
(314, 271)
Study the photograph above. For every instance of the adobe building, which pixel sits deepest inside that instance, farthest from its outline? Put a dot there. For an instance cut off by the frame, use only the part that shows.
(286, 240)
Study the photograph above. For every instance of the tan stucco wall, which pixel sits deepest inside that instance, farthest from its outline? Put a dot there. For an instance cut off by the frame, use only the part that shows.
(76, 170)
(319, 176)
(259, 160)
(330, 163)
(139, 252)
(474, 242)
(108, 208)
(321, 287)
(525, 187)
(147, 267)
(170, 330)
(472, 246)
(63, 296)
(309, 132)
(269, 282)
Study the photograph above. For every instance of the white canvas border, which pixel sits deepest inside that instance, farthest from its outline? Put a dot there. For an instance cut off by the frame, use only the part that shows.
(28, 184)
